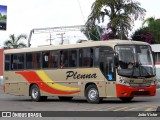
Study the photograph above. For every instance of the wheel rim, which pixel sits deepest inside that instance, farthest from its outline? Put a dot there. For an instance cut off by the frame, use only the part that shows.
(35, 93)
(93, 94)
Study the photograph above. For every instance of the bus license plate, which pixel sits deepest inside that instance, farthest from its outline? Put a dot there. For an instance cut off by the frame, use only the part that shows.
(141, 89)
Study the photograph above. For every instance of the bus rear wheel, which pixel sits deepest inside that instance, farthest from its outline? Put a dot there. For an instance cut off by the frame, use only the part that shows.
(35, 93)
(126, 99)
(92, 94)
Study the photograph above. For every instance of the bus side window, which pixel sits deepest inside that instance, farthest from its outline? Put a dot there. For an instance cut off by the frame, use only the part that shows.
(7, 62)
(29, 62)
(45, 59)
(72, 58)
(86, 57)
(61, 59)
(91, 57)
(12, 66)
(64, 58)
(53, 59)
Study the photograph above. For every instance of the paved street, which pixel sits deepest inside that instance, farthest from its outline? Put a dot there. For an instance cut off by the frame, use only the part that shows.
(22, 103)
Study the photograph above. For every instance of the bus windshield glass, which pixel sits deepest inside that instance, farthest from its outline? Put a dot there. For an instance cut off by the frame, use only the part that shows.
(135, 61)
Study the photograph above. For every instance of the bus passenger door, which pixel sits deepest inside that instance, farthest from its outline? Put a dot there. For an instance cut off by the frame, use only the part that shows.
(108, 70)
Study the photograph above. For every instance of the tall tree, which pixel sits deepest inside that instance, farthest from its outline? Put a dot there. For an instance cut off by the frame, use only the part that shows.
(154, 27)
(121, 14)
(148, 21)
(15, 42)
(93, 33)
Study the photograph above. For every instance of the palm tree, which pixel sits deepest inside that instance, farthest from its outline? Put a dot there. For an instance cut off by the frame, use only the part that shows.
(121, 14)
(15, 42)
(93, 33)
(148, 21)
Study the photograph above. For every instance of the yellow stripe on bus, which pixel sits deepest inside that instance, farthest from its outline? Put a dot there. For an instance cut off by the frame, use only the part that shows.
(46, 79)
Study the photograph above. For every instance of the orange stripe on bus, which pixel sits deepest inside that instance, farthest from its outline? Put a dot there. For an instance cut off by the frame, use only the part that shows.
(32, 77)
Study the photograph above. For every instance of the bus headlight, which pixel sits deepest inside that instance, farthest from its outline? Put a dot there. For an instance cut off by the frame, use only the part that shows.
(153, 83)
(122, 82)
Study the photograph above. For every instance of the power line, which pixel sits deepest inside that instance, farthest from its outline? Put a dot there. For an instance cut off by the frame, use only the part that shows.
(83, 17)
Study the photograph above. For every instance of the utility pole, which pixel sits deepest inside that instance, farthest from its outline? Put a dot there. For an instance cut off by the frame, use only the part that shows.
(50, 39)
(62, 37)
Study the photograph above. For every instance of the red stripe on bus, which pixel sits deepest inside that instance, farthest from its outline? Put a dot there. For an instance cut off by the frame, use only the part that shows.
(32, 77)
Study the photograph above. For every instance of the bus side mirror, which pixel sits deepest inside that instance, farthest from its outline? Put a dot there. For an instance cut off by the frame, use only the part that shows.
(116, 60)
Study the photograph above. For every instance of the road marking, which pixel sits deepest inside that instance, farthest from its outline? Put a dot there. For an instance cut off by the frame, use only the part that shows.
(149, 109)
(111, 108)
(131, 109)
(120, 109)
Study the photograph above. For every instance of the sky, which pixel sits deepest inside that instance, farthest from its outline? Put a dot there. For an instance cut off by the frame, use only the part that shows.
(3, 10)
(24, 15)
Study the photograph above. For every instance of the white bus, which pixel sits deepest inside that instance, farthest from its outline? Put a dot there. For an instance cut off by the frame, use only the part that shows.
(156, 49)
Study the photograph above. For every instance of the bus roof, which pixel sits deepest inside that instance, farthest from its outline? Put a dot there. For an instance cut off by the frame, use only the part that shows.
(88, 43)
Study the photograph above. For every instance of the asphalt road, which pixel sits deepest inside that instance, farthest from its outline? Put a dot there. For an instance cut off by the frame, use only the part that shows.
(22, 103)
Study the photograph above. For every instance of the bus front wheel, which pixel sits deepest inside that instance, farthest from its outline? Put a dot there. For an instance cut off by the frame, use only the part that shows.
(35, 93)
(92, 94)
(126, 99)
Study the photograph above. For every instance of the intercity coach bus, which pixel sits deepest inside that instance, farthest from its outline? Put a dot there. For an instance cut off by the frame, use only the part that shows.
(94, 70)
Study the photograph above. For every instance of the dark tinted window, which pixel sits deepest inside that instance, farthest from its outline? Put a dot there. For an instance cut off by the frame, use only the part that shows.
(64, 58)
(18, 61)
(68, 58)
(72, 58)
(33, 60)
(50, 59)
(96, 57)
(53, 59)
(86, 57)
(45, 56)
(7, 62)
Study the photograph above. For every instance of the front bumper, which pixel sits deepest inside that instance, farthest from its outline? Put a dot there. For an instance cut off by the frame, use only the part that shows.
(128, 91)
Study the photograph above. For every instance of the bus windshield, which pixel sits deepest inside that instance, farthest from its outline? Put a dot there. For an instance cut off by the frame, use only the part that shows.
(135, 61)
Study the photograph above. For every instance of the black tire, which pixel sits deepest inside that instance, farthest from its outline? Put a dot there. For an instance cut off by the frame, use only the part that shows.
(92, 94)
(65, 98)
(35, 93)
(126, 99)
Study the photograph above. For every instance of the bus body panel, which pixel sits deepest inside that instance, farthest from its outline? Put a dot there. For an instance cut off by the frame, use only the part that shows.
(56, 82)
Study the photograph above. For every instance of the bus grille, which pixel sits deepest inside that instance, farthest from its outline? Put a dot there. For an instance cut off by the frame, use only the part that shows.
(140, 93)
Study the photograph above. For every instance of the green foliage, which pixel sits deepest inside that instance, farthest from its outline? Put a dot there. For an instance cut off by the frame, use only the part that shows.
(154, 27)
(144, 35)
(15, 42)
(121, 14)
(3, 17)
(93, 33)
